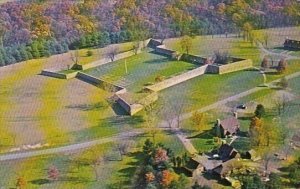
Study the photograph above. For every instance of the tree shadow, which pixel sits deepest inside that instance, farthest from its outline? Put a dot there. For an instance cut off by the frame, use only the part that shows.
(40, 181)
(207, 134)
(157, 60)
(87, 107)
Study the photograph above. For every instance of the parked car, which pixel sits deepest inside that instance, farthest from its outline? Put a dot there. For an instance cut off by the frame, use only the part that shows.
(242, 106)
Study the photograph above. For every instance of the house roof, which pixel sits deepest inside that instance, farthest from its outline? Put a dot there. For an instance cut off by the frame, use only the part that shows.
(230, 124)
(208, 164)
(225, 167)
(225, 151)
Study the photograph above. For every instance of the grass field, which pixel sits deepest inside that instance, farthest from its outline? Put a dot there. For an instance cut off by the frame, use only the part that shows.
(142, 69)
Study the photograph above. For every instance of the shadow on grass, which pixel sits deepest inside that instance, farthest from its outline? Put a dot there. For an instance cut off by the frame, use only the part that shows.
(87, 107)
(125, 175)
(40, 181)
(207, 134)
(157, 60)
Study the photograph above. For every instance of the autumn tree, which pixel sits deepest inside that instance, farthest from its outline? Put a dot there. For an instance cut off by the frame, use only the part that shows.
(53, 173)
(265, 63)
(21, 183)
(282, 66)
(186, 44)
(254, 129)
(161, 155)
(198, 119)
(247, 28)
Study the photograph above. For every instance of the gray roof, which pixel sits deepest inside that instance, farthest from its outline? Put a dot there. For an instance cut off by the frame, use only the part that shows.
(230, 124)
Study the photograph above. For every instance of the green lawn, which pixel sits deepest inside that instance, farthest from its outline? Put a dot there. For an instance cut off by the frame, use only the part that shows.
(209, 88)
(142, 69)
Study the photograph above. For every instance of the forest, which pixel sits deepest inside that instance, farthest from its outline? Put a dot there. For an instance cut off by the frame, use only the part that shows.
(41, 28)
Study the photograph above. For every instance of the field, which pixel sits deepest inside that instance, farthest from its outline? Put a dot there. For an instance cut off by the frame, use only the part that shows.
(37, 109)
(142, 69)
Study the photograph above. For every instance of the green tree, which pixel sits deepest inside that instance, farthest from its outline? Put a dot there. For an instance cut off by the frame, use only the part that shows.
(275, 181)
(186, 44)
(260, 111)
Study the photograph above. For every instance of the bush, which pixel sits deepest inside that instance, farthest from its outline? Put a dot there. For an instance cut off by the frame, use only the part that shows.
(89, 53)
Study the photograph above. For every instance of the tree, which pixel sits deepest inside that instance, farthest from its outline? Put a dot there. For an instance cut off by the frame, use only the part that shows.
(283, 83)
(89, 53)
(112, 52)
(281, 104)
(274, 182)
(53, 173)
(181, 183)
(136, 47)
(21, 183)
(260, 111)
(186, 44)
(282, 66)
(124, 147)
(254, 128)
(161, 155)
(148, 147)
(75, 57)
(198, 119)
(265, 63)
(247, 28)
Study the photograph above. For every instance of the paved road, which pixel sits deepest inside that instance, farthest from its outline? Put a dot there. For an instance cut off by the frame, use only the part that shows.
(73, 147)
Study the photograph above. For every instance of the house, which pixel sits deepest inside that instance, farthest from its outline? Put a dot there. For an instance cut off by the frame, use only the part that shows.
(228, 127)
(205, 164)
(225, 168)
(227, 152)
(292, 44)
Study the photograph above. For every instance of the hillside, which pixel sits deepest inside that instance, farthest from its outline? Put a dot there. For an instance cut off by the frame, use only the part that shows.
(33, 29)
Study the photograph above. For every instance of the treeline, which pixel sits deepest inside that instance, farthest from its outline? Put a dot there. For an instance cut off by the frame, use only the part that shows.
(102, 39)
(97, 23)
(37, 49)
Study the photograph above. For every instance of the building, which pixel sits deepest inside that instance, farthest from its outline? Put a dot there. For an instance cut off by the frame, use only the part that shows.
(227, 152)
(292, 44)
(228, 127)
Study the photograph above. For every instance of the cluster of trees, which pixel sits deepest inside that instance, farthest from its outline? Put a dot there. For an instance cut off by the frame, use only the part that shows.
(91, 23)
(264, 133)
(157, 171)
(37, 49)
(281, 67)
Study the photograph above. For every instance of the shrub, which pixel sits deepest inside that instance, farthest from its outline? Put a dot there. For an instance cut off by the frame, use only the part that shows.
(89, 53)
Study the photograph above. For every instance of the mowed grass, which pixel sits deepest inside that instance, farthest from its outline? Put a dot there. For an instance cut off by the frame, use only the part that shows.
(7, 90)
(51, 96)
(99, 53)
(141, 69)
(207, 89)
